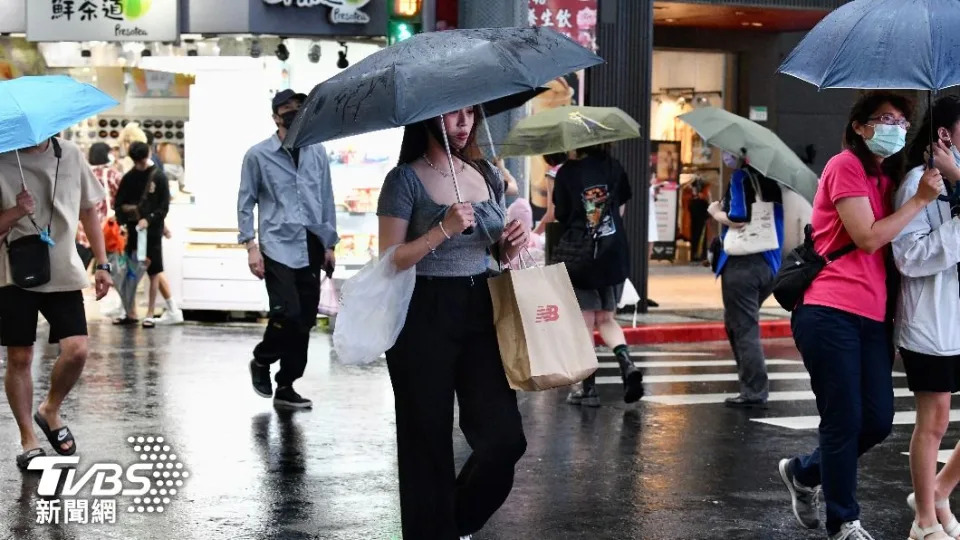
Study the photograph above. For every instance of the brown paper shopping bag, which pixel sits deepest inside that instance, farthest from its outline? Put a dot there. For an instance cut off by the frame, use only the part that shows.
(543, 340)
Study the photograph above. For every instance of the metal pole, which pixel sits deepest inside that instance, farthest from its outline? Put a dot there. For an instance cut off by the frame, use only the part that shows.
(486, 127)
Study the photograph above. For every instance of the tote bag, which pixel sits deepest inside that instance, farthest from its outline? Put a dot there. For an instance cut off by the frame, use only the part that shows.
(757, 236)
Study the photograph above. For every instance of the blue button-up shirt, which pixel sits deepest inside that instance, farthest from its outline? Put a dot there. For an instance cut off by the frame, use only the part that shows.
(291, 200)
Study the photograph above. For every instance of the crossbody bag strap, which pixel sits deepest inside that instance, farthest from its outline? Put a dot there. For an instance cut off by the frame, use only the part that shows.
(58, 153)
(834, 255)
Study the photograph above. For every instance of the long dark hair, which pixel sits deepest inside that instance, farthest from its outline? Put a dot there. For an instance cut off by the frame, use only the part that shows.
(416, 139)
(99, 154)
(946, 114)
(865, 108)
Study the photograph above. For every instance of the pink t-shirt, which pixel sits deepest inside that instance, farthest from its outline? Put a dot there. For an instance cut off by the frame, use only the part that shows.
(856, 282)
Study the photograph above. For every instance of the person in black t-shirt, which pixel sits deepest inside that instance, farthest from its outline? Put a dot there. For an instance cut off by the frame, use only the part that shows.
(143, 200)
(588, 199)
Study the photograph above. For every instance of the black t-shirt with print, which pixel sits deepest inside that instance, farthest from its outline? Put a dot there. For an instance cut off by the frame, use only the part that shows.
(587, 196)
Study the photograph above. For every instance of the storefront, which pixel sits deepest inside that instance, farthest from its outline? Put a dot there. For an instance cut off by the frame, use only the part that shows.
(686, 175)
(203, 89)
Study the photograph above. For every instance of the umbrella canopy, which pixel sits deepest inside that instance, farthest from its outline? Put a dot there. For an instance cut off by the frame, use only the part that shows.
(513, 101)
(432, 74)
(902, 44)
(567, 128)
(765, 151)
(33, 109)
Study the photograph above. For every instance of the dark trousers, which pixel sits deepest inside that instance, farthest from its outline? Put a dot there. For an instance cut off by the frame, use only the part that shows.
(294, 297)
(848, 358)
(448, 347)
(747, 282)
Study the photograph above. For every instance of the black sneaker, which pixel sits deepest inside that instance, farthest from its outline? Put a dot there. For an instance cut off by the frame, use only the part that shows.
(741, 402)
(287, 397)
(260, 378)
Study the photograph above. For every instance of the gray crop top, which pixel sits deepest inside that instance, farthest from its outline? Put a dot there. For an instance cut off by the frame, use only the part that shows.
(403, 196)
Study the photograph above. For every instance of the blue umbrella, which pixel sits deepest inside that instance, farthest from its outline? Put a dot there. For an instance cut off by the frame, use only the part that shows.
(33, 109)
(896, 44)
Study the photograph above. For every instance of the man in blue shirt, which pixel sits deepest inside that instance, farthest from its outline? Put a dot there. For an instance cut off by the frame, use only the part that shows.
(298, 232)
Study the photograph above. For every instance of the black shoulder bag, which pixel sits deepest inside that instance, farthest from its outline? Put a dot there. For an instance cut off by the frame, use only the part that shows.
(30, 255)
(800, 267)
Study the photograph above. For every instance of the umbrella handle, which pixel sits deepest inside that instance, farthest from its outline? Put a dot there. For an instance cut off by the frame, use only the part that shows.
(486, 128)
(453, 170)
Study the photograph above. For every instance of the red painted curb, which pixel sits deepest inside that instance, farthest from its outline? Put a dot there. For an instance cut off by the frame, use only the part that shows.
(694, 332)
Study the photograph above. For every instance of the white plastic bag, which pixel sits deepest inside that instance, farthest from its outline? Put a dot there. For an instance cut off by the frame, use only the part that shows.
(329, 300)
(630, 297)
(373, 309)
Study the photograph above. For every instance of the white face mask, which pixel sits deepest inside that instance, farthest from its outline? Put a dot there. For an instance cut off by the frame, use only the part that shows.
(956, 154)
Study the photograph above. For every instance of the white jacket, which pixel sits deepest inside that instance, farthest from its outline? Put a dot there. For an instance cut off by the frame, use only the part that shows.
(926, 253)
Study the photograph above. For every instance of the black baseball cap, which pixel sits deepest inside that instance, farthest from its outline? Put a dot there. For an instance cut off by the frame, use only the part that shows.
(284, 96)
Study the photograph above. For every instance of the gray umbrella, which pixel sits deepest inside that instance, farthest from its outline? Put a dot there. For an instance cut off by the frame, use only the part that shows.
(432, 74)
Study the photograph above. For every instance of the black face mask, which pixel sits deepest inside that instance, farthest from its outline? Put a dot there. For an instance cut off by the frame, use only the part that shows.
(286, 119)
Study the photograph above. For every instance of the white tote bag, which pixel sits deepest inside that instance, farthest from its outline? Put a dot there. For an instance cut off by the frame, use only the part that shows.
(757, 236)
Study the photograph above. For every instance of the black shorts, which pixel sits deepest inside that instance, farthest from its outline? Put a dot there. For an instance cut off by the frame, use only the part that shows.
(154, 248)
(19, 309)
(603, 299)
(927, 373)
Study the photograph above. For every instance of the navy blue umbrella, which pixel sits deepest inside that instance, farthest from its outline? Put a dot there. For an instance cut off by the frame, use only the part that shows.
(895, 44)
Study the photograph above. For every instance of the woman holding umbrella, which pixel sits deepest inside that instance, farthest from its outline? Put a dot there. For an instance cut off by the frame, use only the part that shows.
(448, 346)
(927, 252)
(841, 324)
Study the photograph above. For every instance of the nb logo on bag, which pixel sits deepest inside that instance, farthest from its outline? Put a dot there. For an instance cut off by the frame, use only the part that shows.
(546, 314)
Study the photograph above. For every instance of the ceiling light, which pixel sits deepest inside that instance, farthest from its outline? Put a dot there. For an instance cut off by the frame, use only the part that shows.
(342, 61)
(283, 54)
(314, 53)
(757, 24)
(670, 20)
(744, 23)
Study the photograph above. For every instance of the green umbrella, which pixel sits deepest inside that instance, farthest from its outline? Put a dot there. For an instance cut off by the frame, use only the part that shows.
(765, 151)
(567, 128)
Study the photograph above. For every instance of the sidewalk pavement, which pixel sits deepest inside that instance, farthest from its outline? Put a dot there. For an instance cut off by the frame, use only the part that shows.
(691, 309)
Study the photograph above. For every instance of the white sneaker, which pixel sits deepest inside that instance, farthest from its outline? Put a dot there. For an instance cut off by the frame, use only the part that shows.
(170, 318)
(851, 530)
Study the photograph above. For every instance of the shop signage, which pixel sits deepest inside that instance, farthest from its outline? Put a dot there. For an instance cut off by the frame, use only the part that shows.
(102, 20)
(576, 19)
(758, 114)
(341, 11)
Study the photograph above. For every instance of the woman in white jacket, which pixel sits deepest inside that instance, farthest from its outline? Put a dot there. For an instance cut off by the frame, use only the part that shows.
(927, 253)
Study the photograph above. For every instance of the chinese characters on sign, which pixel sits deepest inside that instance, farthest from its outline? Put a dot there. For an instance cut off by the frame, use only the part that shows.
(576, 19)
(102, 20)
(81, 511)
(88, 10)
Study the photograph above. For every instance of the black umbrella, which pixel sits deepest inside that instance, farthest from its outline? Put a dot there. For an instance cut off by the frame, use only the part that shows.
(435, 73)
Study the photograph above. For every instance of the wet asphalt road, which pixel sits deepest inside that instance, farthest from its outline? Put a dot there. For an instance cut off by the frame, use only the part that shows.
(650, 471)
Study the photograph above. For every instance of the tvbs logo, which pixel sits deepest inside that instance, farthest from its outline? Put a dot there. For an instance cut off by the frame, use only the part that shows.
(151, 482)
(108, 478)
(548, 314)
